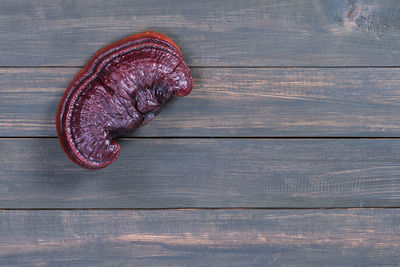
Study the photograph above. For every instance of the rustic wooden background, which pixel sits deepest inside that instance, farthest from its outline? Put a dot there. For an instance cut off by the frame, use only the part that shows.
(286, 152)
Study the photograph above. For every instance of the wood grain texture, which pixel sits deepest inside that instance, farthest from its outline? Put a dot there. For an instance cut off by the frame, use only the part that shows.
(210, 33)
(169, 173)
(230, 102)
(281, 97)
(200, 238)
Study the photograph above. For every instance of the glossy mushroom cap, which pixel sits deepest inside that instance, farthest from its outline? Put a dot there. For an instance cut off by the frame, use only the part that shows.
(122, 87)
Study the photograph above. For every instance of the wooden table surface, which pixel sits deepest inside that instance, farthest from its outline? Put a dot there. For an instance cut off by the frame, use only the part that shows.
(286, 152)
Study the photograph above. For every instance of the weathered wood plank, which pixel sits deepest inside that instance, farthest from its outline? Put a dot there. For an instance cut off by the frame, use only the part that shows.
(168, 173)
(230, 102)
(200, 238)
(211, 33)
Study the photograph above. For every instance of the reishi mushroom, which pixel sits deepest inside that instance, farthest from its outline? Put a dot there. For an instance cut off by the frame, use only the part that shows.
(122, 87)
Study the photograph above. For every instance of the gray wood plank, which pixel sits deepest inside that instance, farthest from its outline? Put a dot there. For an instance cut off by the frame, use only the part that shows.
(168, 173)
(200, 238)
(230, 102)
(211, 33)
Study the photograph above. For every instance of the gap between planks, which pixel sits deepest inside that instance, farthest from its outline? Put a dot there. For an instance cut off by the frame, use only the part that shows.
(226, 67)
(205, 208)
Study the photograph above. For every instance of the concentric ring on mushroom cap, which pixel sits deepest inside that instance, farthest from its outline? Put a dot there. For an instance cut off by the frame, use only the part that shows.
(123, 84)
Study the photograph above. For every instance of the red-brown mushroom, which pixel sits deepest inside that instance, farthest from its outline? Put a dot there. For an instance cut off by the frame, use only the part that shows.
(123, 86)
